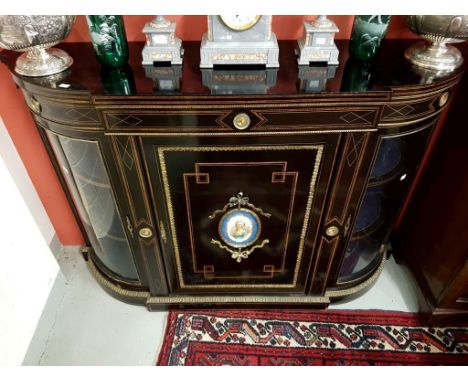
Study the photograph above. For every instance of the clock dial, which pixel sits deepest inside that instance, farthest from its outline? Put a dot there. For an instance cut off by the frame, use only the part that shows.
(240, 22)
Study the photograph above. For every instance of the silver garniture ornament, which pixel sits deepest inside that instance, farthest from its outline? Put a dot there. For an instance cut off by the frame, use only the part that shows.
(318, 43)
(439, 30)
(162, 45)
(35, 35)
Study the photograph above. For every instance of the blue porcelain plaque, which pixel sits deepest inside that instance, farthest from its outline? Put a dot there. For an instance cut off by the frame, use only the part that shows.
(239, 228)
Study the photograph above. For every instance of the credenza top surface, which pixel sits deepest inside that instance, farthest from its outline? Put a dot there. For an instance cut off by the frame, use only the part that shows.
(389, 71)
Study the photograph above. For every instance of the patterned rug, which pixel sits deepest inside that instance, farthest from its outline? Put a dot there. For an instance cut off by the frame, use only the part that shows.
(267, 338)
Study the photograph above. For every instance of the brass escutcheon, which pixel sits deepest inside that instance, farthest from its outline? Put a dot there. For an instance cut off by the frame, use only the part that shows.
(241, 121)
(443, 99)
(332, 231)
(145, 233)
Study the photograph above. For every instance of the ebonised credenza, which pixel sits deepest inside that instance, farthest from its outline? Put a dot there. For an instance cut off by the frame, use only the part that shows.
(236, 186)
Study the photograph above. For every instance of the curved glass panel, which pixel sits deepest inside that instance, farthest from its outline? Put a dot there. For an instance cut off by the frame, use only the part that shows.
(361, 254)
(370, 211)
(392, 173)
(388, 159)
(83, 167)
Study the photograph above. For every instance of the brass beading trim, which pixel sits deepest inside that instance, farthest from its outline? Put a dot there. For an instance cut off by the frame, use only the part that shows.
(116, 288)
(238, 299)
(165, 181)
(368, 282)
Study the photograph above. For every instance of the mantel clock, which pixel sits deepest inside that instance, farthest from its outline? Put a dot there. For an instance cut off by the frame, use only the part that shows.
(239, 40)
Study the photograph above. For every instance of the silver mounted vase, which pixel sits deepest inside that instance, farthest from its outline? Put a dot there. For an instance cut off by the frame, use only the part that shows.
(35, 35)
(439, 30)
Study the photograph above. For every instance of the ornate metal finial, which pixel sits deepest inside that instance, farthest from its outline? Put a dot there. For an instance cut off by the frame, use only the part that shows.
(322, 22)
(160, 22)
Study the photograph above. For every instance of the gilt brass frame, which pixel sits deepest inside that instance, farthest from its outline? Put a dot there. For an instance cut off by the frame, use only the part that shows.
(160, 157)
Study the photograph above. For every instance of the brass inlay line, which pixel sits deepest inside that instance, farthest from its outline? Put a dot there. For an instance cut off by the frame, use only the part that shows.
(335, 241)
(118, 156)
(138, 168)
(347, 200)
(412, 122)
(357, 166)
(153, 243)
(61, 102)
(247, 133)
(142, 253)
(291, 207)
(337, 181)
(368, 95)
(89, 125)
(54, 126)
(198, 167)
(425, 94)
(234, 105)
(160, 154)
(189, 216)
(368, 111)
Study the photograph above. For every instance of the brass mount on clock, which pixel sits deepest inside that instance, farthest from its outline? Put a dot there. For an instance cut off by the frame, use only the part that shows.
(240, 23)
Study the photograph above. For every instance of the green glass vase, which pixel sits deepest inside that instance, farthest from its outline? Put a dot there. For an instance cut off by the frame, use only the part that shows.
(109, 39)
(367, 35)
(118, 81)
(357, 75)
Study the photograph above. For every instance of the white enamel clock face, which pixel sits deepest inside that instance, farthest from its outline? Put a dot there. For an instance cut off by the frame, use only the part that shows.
(240, 22)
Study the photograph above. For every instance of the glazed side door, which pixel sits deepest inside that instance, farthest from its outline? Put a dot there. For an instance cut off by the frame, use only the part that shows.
(239, 214)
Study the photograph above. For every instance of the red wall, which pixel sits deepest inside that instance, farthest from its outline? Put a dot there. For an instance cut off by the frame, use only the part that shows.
(29, 145)
(192, 27)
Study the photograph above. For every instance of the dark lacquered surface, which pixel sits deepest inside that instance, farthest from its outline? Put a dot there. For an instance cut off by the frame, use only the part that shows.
(389, 69)
(281, 180)
(355, 116)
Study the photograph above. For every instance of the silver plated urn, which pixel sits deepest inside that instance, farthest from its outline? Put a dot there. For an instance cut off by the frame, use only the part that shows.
(35, 35)
(439, 30)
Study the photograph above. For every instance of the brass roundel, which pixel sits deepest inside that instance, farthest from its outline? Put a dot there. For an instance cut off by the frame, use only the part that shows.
(332, 231)
(145, 233)
(443, 99)
(241, 121)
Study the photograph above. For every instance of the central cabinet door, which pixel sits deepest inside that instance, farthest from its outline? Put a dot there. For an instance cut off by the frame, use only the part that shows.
(239, 214)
